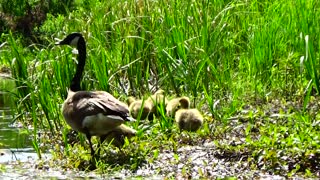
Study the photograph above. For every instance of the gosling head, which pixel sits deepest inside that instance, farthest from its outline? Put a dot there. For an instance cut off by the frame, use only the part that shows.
(158, 97)
(184, 103)
(72, 39)
(176, 104)
(130, 100)
(160, 91)
(118, 135)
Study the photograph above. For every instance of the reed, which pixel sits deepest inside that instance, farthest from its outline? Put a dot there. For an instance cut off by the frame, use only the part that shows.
(226, 55)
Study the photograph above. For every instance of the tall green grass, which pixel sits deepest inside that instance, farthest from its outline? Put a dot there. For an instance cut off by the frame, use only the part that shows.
(224, 54)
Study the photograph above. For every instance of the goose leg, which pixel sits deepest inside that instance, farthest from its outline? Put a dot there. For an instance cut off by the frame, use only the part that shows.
(93, 159)
(102, 138)
(90, 144)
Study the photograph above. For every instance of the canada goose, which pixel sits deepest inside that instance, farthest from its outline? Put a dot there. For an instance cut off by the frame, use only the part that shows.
(135, 106)
(118, 134)
(177, 103)
(156, 100)
(189, 119)
(94, 113)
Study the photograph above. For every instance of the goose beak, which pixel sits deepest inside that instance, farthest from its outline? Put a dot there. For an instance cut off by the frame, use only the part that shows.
(131, 119)
(59, 42)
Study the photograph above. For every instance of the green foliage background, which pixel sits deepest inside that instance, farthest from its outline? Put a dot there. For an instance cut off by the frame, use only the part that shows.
(227, 55)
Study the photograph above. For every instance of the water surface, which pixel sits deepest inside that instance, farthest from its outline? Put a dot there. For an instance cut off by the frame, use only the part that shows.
(15, 143)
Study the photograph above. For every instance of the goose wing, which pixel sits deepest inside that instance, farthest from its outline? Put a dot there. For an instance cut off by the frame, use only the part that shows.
(95, 102)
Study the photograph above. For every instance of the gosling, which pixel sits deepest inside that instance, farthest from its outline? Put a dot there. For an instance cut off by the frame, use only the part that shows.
(158, 99)
(135, 106)
(175, 104)
(118, 135)
(189, 119)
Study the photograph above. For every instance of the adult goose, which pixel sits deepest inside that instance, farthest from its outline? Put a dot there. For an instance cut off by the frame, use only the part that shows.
(94, 113)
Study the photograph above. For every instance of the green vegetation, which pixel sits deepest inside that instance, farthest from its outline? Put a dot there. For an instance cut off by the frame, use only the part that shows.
(250, 66)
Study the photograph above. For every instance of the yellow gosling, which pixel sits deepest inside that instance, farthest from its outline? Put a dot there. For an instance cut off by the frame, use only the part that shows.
(118, 135)
(156, 100)
(189, 119)
(175, 104)
(130, 100)
(138, 105)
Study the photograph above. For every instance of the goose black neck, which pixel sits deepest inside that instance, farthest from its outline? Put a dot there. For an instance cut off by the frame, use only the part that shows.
(75, 83)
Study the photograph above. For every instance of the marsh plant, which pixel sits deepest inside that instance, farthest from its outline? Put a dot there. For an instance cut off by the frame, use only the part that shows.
(251, 67)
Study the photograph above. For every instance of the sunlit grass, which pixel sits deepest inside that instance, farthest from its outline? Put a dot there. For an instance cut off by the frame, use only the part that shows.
(228, 56)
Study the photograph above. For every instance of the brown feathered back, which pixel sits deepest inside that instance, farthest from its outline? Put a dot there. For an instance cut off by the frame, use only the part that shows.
(96, 104)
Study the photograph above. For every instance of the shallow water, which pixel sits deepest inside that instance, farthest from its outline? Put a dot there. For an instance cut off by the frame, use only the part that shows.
(11, 135)
(15, 144)
(21, 155)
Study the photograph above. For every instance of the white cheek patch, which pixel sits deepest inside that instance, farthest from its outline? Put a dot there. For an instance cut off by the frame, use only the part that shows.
(75, 51)
(101, 124)
(74, 41)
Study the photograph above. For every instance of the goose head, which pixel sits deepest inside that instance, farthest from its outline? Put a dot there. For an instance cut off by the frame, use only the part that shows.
(72, 39)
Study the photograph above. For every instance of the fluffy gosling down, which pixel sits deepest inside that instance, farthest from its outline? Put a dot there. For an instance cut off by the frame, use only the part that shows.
(94, 113)
(175, 104)
(135, 106)
(156, 100)
(189, 119)
(118, 135)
